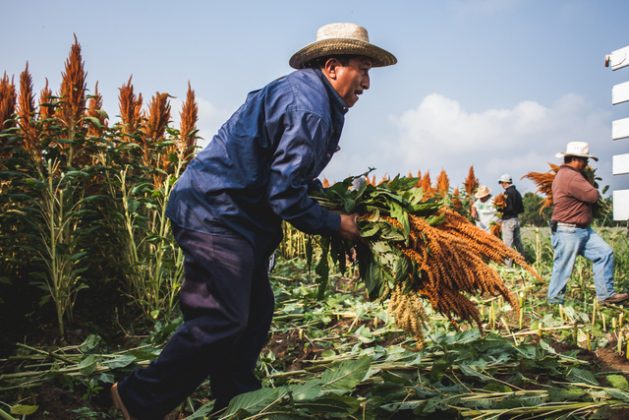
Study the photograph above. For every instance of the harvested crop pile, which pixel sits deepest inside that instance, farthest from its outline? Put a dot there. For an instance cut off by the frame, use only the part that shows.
(418, 248)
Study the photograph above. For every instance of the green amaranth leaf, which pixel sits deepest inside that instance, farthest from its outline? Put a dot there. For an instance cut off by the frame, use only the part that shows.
(255, 401)
(567, 394)
(582, 376)
(345, 376)
(618, 382)
(23, 410)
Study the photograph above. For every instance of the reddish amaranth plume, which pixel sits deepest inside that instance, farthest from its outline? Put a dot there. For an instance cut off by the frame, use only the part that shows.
(456, 199)
(45, 102)
(188, 128)
(7, 101)
(443, 183)
(130, 108)
(95, 110)
(153, 131)
(158, 116)
(426, 186)
(72, 93)
(26, 113)
(471, 182)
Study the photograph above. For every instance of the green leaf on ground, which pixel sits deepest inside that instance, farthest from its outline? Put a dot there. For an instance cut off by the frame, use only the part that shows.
(23, 410)
(255, 401)
(346, 375)
(582, 376)
(618, 382)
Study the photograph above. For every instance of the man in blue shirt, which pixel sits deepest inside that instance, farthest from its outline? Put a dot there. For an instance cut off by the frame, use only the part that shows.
(227, 210)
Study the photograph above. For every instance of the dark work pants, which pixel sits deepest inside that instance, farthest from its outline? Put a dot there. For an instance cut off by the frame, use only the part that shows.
(227, 305)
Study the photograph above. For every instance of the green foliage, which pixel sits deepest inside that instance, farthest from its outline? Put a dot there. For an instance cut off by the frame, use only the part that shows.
(381, 264)
(532, 215)
(153, 260)
(69, 222)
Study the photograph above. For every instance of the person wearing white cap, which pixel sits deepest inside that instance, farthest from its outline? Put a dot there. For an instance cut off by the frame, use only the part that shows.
(227, 209)
(483, 209)
(573, 197)
(510, 222)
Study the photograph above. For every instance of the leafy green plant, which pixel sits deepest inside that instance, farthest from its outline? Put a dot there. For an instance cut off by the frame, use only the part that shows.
(155, 262)
(61, 207)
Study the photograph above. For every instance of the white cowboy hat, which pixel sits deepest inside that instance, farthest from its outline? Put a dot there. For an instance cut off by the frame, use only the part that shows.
(342, 39)
(483, 191)
(577, 148)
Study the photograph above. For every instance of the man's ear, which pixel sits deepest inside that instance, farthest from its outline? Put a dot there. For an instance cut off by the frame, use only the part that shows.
(330, 68)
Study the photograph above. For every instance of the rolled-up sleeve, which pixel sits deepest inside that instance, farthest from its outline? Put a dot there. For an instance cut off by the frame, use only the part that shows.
(293, 168)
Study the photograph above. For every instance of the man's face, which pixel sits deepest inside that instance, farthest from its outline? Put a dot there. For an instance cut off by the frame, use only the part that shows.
(583, 162)
(350, 81)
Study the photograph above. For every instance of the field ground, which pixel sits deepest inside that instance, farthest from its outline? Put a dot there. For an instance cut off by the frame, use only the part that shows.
(343, 357)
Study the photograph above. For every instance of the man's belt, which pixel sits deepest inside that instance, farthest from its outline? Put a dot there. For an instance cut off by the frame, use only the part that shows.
(572, 225)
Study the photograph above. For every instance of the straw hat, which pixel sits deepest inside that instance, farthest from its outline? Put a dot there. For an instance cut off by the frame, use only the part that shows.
(577, 148)
(340, 39)
(483, 191)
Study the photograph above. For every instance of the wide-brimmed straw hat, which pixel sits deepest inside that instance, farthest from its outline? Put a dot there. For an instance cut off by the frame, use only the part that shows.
(577, 148)
(482, 191)
(342, 39)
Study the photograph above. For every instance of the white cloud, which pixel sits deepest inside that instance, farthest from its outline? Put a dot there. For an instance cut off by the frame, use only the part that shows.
(441, 134)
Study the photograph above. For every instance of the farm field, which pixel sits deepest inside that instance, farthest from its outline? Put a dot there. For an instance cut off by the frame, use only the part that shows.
(435, 326)
(343, 356)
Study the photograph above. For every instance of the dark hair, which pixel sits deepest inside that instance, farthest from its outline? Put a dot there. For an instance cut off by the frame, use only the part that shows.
(319, 62)
(568, 159)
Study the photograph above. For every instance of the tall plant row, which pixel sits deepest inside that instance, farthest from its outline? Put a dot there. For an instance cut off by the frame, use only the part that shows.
(82, 198)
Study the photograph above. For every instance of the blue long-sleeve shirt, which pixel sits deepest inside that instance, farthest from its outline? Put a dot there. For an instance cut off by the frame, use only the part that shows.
(257, 168)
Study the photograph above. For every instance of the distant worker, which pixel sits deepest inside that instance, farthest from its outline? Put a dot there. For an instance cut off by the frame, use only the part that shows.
(483, 209)
(510, 223)
(573, 197)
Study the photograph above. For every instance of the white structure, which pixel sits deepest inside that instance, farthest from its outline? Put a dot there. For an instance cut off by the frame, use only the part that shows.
(620, 130)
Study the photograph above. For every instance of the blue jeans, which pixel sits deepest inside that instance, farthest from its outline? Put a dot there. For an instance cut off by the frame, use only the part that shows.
(568, 242)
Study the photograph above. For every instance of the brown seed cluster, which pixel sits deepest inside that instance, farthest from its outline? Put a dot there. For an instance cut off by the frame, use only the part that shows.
(72, 92)
(500, 201)
(471, 182)
(409, 312)
(70, 119)
(453, 260)
(443, 183)
(187, 133)
(426, 186)
(544, 183)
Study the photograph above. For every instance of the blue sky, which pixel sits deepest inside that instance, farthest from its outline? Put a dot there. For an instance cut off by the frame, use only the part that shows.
(498, 84)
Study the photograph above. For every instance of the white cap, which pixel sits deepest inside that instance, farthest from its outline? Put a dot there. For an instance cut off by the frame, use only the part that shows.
(505, 178)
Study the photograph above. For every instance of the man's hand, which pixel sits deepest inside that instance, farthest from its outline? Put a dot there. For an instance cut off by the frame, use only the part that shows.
(349, 228)
(474, 213)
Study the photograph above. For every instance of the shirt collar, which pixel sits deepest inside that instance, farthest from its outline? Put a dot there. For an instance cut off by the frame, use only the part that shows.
(565, 165)
(335, 99)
